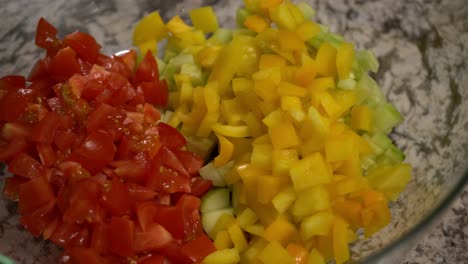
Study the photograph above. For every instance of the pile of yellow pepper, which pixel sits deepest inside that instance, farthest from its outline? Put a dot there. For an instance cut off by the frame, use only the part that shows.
(294, 141)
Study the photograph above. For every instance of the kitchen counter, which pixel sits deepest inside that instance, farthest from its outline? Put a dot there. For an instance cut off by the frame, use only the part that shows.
(446, 242)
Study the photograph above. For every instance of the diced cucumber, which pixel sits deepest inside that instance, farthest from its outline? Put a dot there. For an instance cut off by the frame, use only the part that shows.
(209, 172)
(326, 37)
(202, 146)
(194, 71)
(225, 168)
(379, 142)
(215, 199)
(364, 62)
(347, 84)
(367, 162)
(221, 36)
(210, 219)
(368, 91)
(391, 156)
(306, 10)
(161, 65)
(386, 116)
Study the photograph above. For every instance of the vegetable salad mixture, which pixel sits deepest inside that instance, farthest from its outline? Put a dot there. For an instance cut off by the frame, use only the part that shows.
(303, 163)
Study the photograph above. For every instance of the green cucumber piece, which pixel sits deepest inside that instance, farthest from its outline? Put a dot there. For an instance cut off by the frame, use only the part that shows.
(369, 92)
(210, 219)
(215, 199)
(386, 116)
(241, 15)
(209, 172)
(306, 10)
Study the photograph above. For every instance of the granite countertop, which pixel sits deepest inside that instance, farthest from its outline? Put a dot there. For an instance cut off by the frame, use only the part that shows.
(405, 35)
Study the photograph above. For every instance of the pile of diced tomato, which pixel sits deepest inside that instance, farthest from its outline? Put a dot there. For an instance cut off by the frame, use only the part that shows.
(95, 172)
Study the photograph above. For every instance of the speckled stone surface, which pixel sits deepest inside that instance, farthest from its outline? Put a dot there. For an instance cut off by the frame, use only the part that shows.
(422, 49)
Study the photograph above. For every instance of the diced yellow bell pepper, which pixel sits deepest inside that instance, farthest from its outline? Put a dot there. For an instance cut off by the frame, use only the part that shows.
(350, 210)
(212, 99)
(225, 150)
(269, 187)
(232, 111)
(186, 92)
(256, 246)
(290, 41)
(310, 201)
(361, 118)
(274, 118)
(256, 23)
(150, 45)
(231, 131)
(318, 224)
(247, 217)
(238, 237)
(222, 240)
(225, 256)
(298, 252)
(266, 4)
(176, 26)
(226, 65)
(282, 161)
(322, 84)
(310, 171)
(284, 135)
(207, 56)
(283, 17)
(241, 85)
(207, 123)
(204, 18)
(262, 156)
(271, 60)
(344, 60)
(151, 27)
(295, 12)
(340, 147)
(257, 230)
(331, 107)
(340, 241)
(286, 88)
(224, 221)
(326, 58)
(308, 30)
(266, 89)
(281, 230)
(315, 257)
(306, 73)
(274, 253)
(352, 166)
(391, 180)
(255, 126)
(284, 199)
(273, 74)
(293, 105)
(252, 5)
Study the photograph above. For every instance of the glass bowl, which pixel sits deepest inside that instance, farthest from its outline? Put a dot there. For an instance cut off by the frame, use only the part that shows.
(422, 50)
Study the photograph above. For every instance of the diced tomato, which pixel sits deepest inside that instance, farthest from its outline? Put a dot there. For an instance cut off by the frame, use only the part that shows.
(147, 71)
(153, 259)
(191, 161)
(170, 137)
(46, 35)
(65, 234)
(189, 205)
(153, 238)
(12, 148)
(37, 221)
(46, 154)
(134, 170)
(84, 211)
(174, 254)
(200, 186)
(168, 181)
(128, 58)
(64, 65)
(26, 166)
(40, 70)
(44, 131)
(12, 82)
(13, 104)
(117, 199)
(99, 239)
(155, 92)
(170, 160)
(197, 249)
(11, 187)
(106, 117)
(50, 228)
(77, 83)
(66, 139)
(81, 255)
(15, 130)
(146, 213)
(151, 113)
(84, 45)
(140, 193)
(34, 194)
(121, 236)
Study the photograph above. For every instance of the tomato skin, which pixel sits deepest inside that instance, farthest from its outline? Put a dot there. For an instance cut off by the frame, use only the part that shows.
(200, 186)
(170, 136)
(197, 249)
(66, 234)
(13, 104)
(46, 35)
(129, 58)
(34, 194)
(170, 160)
(147, 71)
(154, 259)
(140, 193)
(153, 238)
(99, 237)
(191, 161)
(155, 92)
(117, 199)
(80, 255)
(84, 45)
(64, 65)
(44, 131)
(40, 70)
(12, 148)
(46, 154)
(26, 166)
(37, 221)
(121, 236)
(12, 82)
(84, 211)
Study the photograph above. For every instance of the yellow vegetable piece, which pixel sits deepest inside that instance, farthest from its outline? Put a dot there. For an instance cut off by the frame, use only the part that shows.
(150, 45)
(266, 89)
(303, 205)
(207, 123)
(298, 252)
(307, 30)
(225, 256)
(361, 118)
(310, 171)
(285, 88)
(283, 17)
(222, 240)
(315, 257)
(207, 56)
(240, 85)
(349, 210)
(326, 60)
(204, 18)
(284, 199)
(256, 23)
(231, 131)
(272, 74)
(232, 111)
(265, 4)
(269, 187)
(340, 148)
(284, 135)
(340, 241)
(282, 161)
(306, 73)
(177, 26)
(212, 99)
(318, 224)
(290, 41)
(262, 156)
(281, 230)
(271, 60)
(391, 180)
(150, 27)
(332, 108)
(274, 253)
(225, 149)
(322, 84)
(257, 230)
(238, 237)
(295, 12)
(256, 246)
(274, 118)
(293, 105)
(344, 60)
(246, 218)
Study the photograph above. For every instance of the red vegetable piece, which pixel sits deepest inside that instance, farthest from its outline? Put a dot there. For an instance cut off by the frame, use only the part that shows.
(170, 160)
(15, 130)
(146, 213)
(117, 199)
(153, 238)
(64, 65)
(82, 255)
(155, 92)
(11, 187)
(44, 131)
(34, 194)
(147, 71)
(84, 44)
(197, 249)
(66, 234)
(140, 193)
(46, 35)
(170, 137)
(12, 82)
(99, 240)
(152, 259)
(128, 58)
(200, 186)
(12, 148)
(37, 221)
(40, 70)
(84, 211)
(46, 154)
(192, 162)
(26, 166)
(120, 234)
(13, 104)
